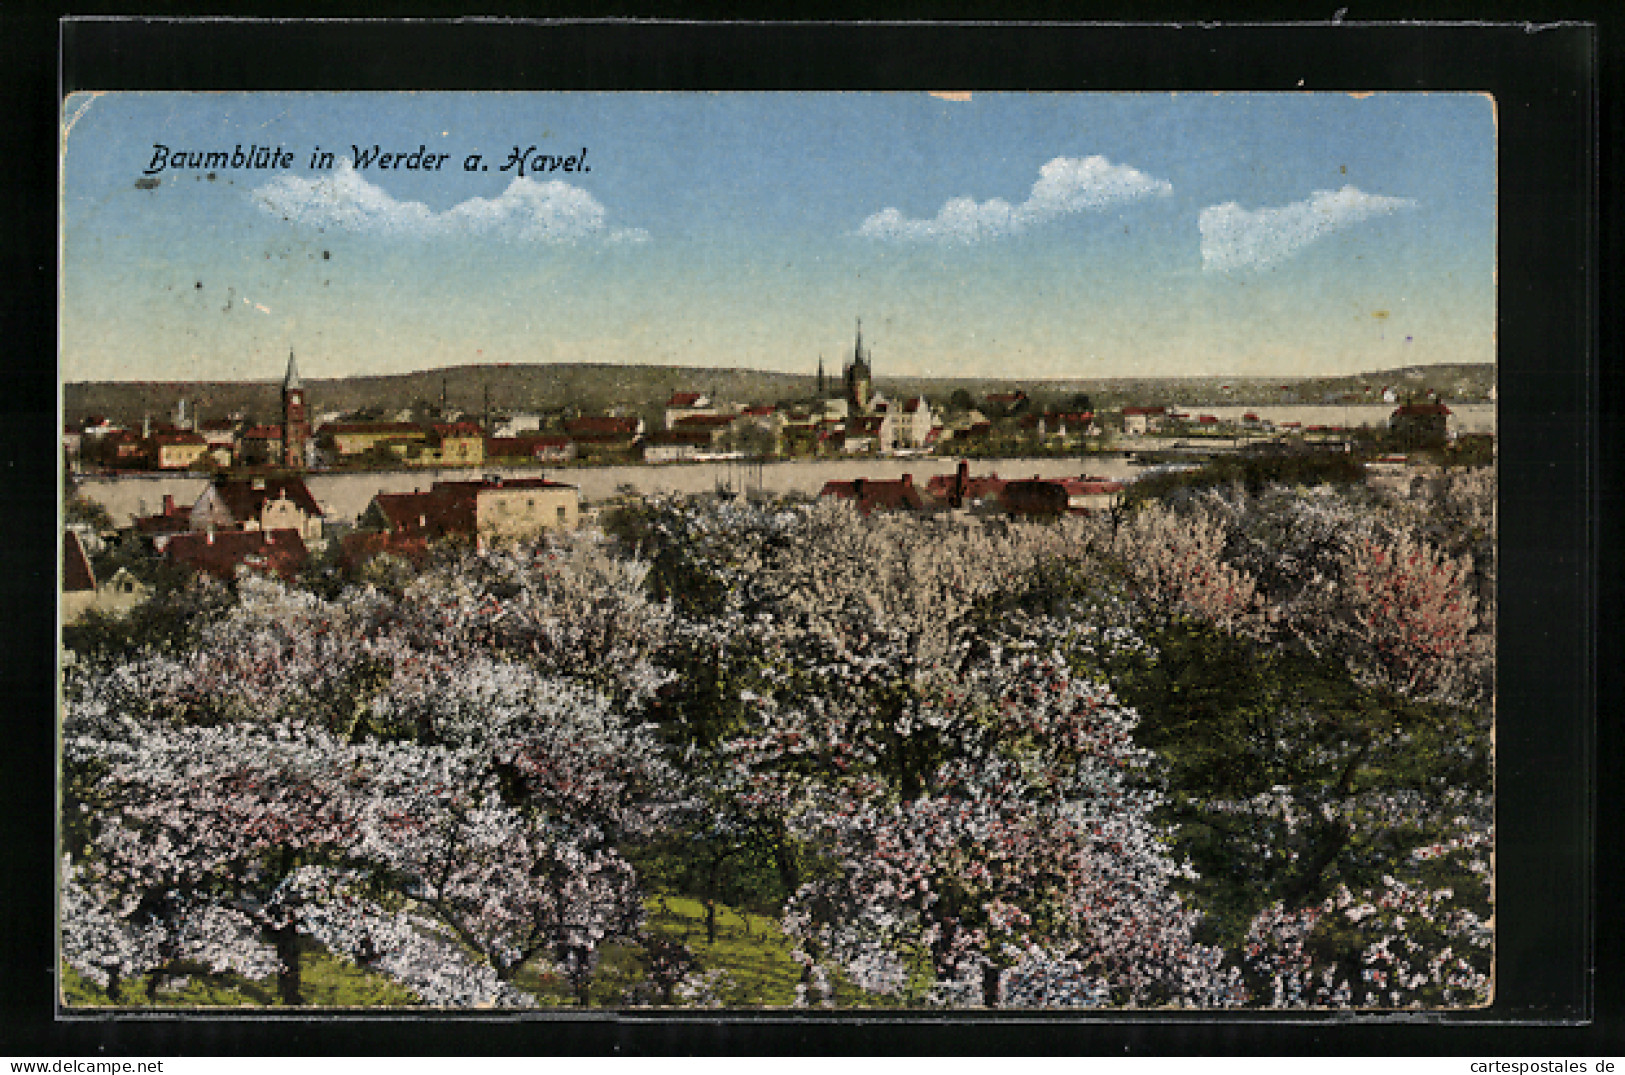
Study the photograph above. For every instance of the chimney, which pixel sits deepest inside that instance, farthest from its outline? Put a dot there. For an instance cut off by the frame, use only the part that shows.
(908, 481)
(169, 504)
(270, 537)
(208, 538)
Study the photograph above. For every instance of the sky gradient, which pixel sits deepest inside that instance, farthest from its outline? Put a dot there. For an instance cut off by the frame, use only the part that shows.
(1005, 236)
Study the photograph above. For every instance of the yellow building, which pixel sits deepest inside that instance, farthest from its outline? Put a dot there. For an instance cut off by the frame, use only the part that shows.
(520, 508)
(178, 451)
(349, 439)
(452, 444)
(495, 509)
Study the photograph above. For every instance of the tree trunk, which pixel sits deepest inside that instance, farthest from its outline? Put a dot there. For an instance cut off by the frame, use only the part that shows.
(289, 984)
(990, 986)
(784, 858)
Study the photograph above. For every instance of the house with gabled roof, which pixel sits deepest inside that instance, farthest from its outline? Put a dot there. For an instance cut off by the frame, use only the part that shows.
(178, 449)
(1138, 421)
(260, 445)
(961, 490)
(78, 580)
(222, 552)
(1423, 424)
(494, 508)
(82, 593)
(687, 405)
(156, 530)
(259, 503)
(877, 494)
(355, 438)
(458, 444)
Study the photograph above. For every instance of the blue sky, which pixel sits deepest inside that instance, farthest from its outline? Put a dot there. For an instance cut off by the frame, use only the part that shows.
(1008, 235)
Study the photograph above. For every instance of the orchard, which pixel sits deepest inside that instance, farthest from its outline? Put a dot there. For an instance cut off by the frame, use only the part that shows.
(1226, 748)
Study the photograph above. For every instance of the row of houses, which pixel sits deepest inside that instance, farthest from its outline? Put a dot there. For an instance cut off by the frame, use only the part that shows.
(694, 428)
(273, 524)
(983, 494)
(1421, 424)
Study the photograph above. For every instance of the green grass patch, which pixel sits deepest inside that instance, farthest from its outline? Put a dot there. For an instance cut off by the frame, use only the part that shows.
(326, 983)
(750, 949)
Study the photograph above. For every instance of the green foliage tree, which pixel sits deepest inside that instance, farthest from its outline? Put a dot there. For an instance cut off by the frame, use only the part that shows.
(1286, 779)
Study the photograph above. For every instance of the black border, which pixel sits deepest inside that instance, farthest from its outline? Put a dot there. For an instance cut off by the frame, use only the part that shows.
(1555, 92)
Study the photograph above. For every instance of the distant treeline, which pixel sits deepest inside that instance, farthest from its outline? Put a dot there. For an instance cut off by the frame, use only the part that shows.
(593, 388)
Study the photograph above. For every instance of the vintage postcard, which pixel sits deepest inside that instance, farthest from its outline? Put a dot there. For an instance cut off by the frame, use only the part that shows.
(859, 551)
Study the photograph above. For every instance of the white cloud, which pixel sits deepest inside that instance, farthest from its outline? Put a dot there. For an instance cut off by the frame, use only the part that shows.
(1065, 185)
(1233, 237)
(551, 212)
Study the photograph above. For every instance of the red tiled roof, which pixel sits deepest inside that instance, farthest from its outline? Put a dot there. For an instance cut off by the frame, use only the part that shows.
(409, 513)
(1090, 486)
(1149, 412)
(601, 424)
(245, 497)
(684, 399)
(449, 507)
(697, 437)
(221, 552)
(703, 421)
(986, 487)
(263, 433)
(1422, 410)
(360, 547)
(872, 493)
(77, 576)
(373, 428)
(910, 406)
(172, 520)
(623, 440)
(178, 438)
(457, 429)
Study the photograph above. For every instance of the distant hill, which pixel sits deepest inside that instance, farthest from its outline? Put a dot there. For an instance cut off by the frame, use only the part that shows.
(593, 388)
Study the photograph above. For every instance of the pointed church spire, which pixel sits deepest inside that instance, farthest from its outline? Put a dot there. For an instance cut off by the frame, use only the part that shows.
(820, 375)
(292, 379)
(857, 350)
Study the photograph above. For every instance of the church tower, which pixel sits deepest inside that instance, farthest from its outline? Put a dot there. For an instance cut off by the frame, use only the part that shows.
(859, 381)
(295, 417)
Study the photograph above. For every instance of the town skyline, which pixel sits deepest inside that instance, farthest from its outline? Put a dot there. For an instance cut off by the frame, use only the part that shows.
(1010, 236)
